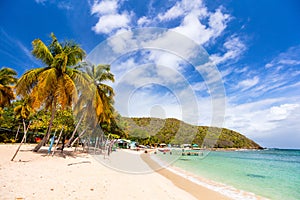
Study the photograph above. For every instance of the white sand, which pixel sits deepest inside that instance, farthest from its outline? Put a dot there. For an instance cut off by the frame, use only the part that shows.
(36, 176)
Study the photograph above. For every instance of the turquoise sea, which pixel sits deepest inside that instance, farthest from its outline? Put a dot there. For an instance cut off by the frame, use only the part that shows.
(270, 173)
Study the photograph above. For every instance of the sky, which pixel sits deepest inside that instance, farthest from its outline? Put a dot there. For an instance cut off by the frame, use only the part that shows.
(234, 64)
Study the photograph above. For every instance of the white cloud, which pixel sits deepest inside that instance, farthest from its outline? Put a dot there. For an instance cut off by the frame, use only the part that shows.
(291, 57)
(261, 119)
(234, 48)
(281, 112)
(217, 22)
(110, 19)
(105, 7)
(144, 21)
(280, 76)
(162, 65)
(182, 8)
(193, 29)
(194, 15)
(248, 83)
(112, 22)
(142, 102)
(172, 13)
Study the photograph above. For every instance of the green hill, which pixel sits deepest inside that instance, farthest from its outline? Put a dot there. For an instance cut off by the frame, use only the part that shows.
(154, 130)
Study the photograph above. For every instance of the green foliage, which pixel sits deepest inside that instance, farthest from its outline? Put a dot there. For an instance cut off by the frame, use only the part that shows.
(63, 119)
(9, 123)
(7, 79)
(51, 91)
(154, 130)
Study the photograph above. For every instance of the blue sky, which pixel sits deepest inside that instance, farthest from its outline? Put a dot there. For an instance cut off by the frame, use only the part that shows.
(253, 47)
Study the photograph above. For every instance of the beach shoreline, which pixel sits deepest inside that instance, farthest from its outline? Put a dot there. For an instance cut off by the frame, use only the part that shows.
(227, 191)
(195, 189)
(86, 176)
(77, 176)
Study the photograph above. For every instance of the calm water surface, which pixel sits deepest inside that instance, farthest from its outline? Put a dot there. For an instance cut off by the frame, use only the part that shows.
(272, 173)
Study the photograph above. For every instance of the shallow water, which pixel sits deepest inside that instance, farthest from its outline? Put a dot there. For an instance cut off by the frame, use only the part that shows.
(274, 173)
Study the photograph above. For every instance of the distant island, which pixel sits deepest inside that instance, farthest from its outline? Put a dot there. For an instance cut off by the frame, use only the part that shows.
(149, 130)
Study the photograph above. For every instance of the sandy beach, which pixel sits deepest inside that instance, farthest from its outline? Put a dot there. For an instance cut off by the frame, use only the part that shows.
(82, 176)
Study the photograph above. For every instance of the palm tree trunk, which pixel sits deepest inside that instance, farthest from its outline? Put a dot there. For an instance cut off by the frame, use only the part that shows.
(46, 137)
(78, 137)
(57, 141)
(73, 134)
(24, 138)
(17, 132)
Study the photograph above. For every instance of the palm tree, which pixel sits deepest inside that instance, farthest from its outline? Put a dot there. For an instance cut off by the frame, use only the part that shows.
(103, 93)
(23, 111)
(54, 84)
(7, 78)
(96, 100)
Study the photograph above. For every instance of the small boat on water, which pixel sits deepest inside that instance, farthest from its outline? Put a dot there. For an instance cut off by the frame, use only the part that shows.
(191, 152)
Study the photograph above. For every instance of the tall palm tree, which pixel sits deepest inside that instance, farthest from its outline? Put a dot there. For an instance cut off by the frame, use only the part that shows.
(54, 84)
(103, 93)
(7, 79)
(96, 99)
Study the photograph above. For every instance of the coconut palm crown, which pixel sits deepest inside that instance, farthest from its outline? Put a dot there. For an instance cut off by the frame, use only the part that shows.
(7, 79)
(100, 106)
(54, 84)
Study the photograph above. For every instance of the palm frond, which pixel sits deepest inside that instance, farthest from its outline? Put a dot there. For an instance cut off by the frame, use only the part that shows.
(74, 52)
(7, 76)
(66, 92)
(6, 95)
(42, 52)
(55, 47)
(45, 87)
(26, 83)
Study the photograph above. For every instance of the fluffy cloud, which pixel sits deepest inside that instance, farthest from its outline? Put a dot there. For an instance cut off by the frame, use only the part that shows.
(109, 23)
(143, 21)
(182, 8)
(105, 7)
(259, 119)
(201, 33)
(110, 20)
(153, 80)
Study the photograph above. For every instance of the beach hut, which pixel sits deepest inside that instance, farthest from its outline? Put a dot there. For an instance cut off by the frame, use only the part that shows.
(132, 145)
(195, 147)
(123, 144)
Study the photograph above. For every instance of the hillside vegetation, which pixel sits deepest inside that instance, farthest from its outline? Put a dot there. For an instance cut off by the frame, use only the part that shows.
(154, 130)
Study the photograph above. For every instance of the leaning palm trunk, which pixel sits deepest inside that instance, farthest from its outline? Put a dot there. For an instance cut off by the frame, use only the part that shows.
(81, 134)
(57, 141)
(74, 132)
(46, 137)
(23, 139)
(16, 137)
